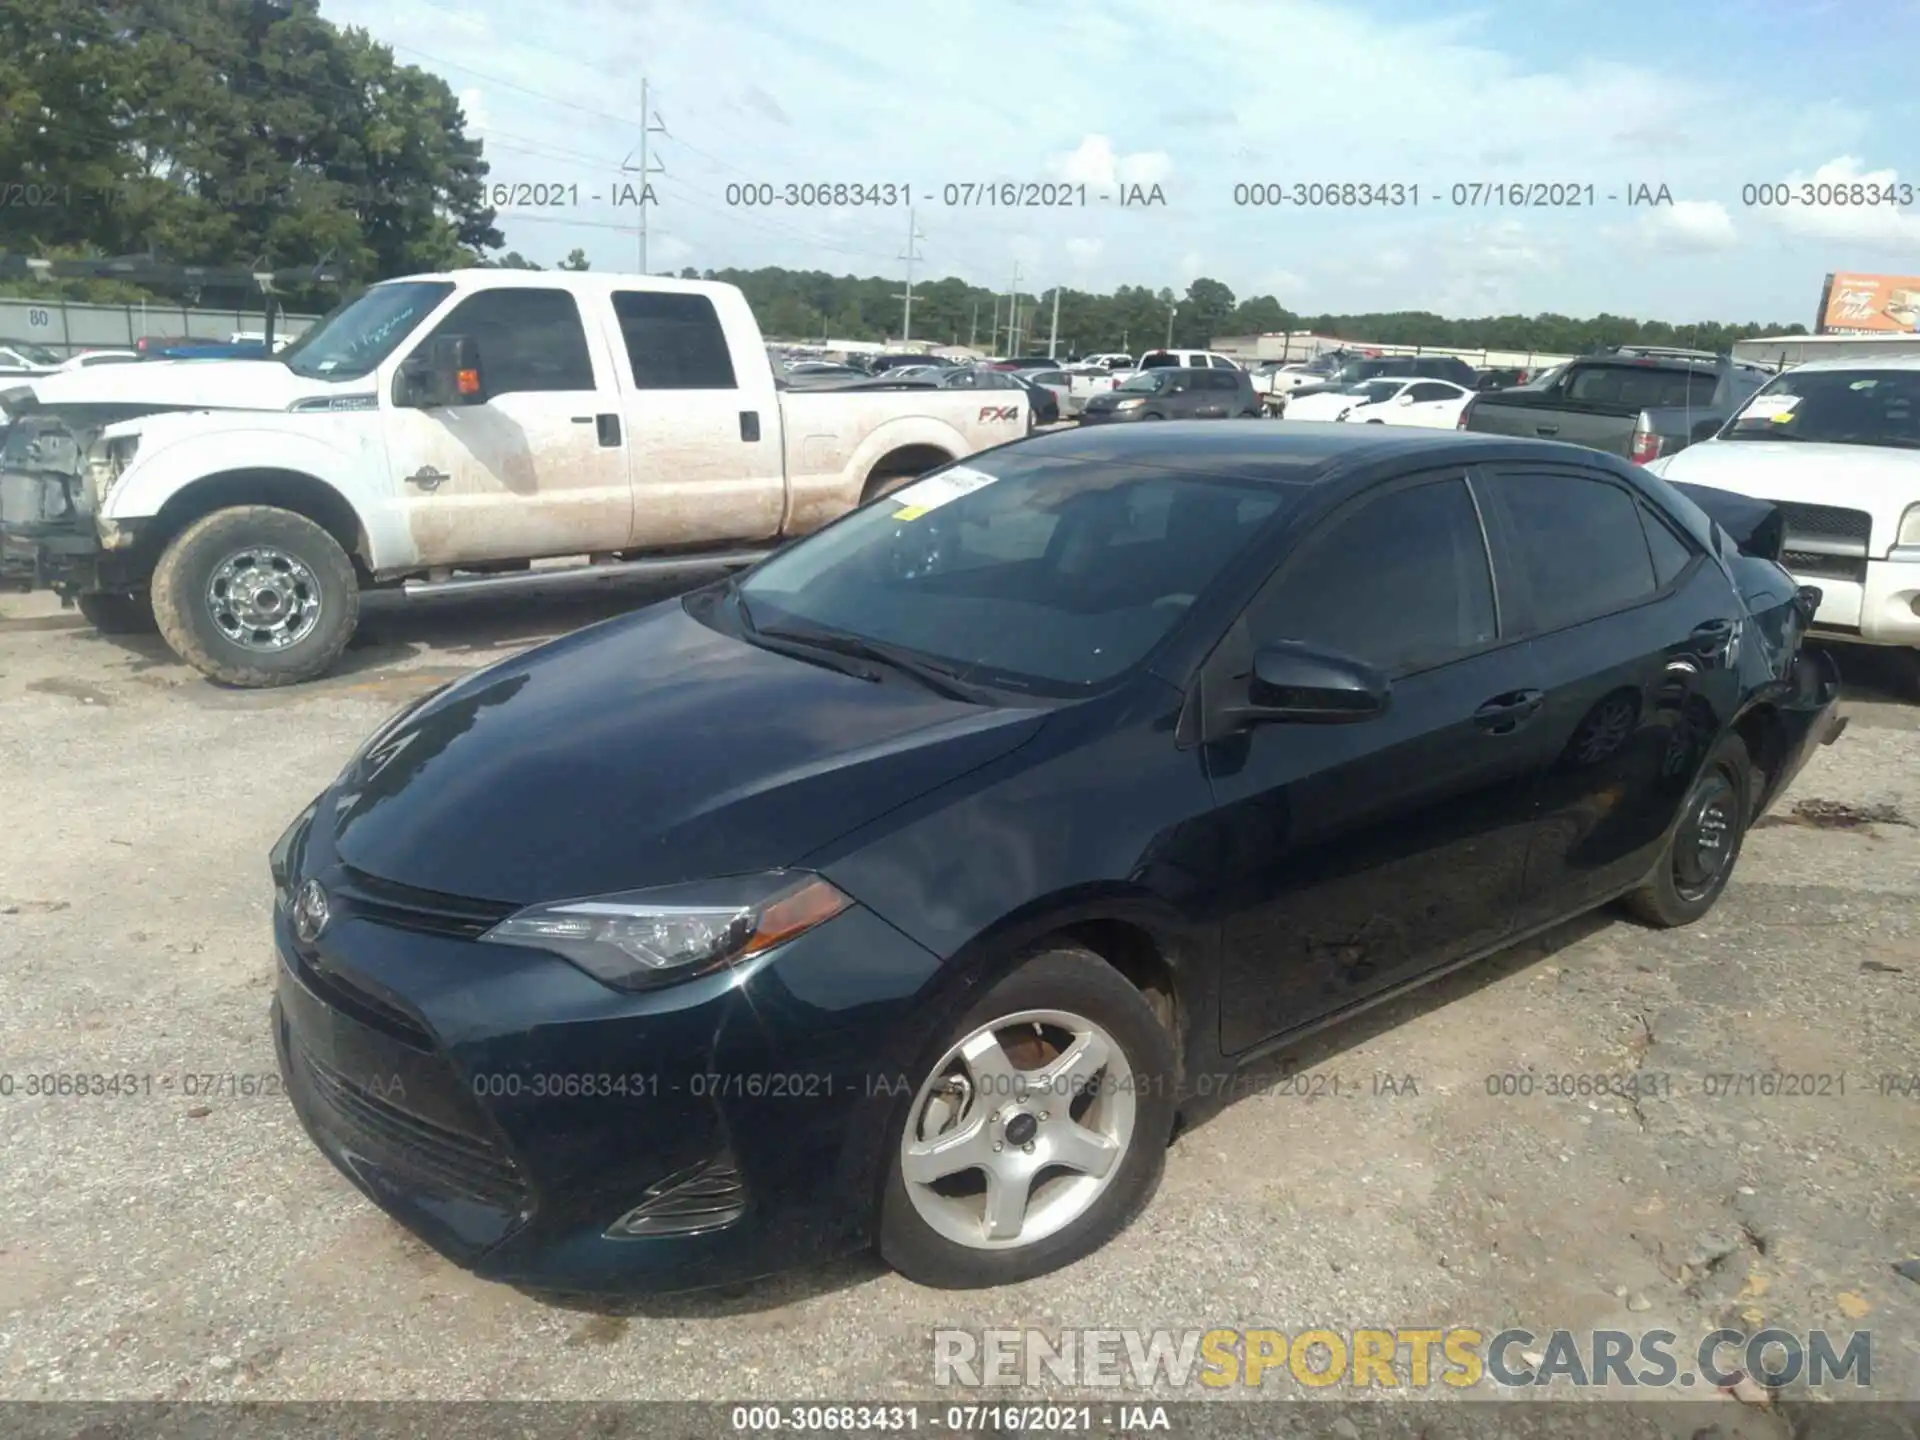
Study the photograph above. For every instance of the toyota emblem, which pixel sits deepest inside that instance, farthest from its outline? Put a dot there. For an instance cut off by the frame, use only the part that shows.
(310, 912)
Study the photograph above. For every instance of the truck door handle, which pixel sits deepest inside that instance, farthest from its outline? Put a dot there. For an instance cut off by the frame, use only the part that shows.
(1546, 429)
(609, 428)
(750, 426)
(1504, 714)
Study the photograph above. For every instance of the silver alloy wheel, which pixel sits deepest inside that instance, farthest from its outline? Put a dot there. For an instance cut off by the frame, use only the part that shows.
(263, 599)
(1018, 1130)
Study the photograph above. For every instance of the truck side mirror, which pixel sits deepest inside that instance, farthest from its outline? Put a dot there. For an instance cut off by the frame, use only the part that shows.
(444, 371)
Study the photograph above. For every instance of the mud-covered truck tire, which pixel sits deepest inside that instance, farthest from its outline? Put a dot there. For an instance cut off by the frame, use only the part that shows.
(112, 613)
(256, 596)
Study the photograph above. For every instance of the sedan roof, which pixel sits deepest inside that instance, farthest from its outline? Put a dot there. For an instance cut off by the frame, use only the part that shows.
(1299, 453)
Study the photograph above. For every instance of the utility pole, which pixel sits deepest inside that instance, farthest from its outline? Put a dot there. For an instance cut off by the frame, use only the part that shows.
(649, 125)
(1053, 334)
(1013, 312)
(913, 234)
(973, 328)
(1172, 310)
(993, 336)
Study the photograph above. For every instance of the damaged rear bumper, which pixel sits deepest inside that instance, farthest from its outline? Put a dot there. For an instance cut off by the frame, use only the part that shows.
(1809, 711)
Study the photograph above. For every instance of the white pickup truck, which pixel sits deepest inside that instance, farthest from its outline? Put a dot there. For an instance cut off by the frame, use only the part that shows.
(1834, 445)
(441, 433)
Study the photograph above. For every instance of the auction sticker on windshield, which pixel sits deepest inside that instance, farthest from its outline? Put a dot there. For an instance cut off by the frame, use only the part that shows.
(930, 494)
(1777, 408)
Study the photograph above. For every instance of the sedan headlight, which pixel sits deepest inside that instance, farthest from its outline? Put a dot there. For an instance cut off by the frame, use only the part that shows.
(638, 939)
(1128, 404)
(1909, 527)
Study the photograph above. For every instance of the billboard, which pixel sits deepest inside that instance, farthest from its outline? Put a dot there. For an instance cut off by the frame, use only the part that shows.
(1869, 305)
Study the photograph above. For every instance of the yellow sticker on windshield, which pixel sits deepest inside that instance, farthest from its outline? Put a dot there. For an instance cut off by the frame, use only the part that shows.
(937, 490)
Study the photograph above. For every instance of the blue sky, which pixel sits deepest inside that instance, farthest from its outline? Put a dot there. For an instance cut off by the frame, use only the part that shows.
(1702, 96)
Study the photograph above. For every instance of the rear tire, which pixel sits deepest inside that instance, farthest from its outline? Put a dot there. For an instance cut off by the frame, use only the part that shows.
(112, 613)
(1698, 858)
(256, 596)
(933, 1232)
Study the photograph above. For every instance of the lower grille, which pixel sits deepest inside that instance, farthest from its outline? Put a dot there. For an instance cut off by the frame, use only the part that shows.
(466, 1165)
(1826, 567)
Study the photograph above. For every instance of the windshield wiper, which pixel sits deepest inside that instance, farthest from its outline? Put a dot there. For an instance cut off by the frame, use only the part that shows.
(935, 677)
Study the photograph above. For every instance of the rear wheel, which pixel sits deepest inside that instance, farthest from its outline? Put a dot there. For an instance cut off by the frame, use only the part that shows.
(112, 613)
(1700, 853)
(1037, 1132)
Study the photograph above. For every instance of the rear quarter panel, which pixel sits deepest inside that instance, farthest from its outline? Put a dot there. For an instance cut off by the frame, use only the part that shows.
(836, 439)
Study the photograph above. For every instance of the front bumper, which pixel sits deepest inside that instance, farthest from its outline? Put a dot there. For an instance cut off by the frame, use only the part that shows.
(1105, 417)
(508, 1109)
(1881, 609)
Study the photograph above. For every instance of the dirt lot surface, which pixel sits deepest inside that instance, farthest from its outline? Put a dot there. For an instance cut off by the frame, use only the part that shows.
(172, 1247)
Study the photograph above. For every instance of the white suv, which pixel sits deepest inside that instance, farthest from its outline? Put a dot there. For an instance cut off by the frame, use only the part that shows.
(1188, 360)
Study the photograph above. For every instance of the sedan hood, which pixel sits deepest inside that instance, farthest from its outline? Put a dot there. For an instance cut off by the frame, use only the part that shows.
(644, 751)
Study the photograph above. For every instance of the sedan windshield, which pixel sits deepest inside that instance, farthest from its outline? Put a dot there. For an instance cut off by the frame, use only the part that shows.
(1043, 574)
(353, 340)
(1834, 407)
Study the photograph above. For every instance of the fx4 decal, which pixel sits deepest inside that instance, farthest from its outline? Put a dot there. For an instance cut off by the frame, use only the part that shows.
(999, 412)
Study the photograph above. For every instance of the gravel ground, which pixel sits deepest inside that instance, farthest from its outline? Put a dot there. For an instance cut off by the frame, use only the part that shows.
(167, 1247)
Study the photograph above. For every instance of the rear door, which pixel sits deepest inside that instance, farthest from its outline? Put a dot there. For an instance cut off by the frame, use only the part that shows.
(1359, 855)
(1216, 392)
(704, 436)
(1632, 629)
(534, 470)
(1433, 404)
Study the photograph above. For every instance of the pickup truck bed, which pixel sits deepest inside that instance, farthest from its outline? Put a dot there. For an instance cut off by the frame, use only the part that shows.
(1636, 409)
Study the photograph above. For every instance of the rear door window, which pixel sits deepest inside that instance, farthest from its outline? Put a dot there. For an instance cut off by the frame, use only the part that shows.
(674, 342)
(1581, 548)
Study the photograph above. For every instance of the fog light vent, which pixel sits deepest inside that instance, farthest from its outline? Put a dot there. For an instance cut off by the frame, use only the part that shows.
(702, 1197)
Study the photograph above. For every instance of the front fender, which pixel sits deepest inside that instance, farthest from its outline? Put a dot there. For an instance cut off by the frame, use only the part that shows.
(173, 459)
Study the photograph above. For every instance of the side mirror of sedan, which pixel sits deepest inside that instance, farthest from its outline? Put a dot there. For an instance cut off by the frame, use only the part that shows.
(1299, 684)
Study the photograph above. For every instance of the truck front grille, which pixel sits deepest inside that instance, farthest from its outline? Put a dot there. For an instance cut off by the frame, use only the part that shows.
(1826, 529)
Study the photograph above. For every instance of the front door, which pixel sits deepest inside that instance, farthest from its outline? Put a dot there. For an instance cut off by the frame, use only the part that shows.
(534, 471)
(1635, 631)
(1365, 853)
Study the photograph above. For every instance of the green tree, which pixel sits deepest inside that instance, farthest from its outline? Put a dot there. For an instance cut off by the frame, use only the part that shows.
(232, 132)
(576, 260)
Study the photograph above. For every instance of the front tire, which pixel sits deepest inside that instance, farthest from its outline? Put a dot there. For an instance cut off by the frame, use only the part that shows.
(1037, 1131)
(1699, 856)
(112, 613)
(256, 596)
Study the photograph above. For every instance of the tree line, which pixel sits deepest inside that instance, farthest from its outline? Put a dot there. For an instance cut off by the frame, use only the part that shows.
(254, 132)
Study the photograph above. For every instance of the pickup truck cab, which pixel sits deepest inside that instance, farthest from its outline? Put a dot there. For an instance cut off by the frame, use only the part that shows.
(1834, 445)
(438, 433)
(1638, 407)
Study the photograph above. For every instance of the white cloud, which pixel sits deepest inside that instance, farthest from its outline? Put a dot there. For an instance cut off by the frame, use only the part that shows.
(1688, 225)
(1095, 164)
(1867, 222)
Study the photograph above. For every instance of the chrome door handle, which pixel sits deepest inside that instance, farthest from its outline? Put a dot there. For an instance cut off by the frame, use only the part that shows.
(428, 478)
